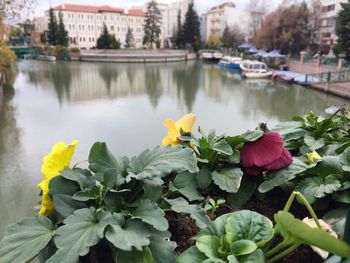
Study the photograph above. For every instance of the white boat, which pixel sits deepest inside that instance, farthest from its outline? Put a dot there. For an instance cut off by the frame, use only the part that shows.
(207, 56)
(254, 69)
(230, 62)
(46, 58)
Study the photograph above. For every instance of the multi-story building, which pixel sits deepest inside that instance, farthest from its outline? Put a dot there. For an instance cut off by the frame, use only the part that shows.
(226, 14)
(329, 12)
(85, 23)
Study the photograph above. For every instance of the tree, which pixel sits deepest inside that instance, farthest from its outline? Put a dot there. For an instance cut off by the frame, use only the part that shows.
(257, 11)
(343, 29)
(62, 34)
(152, 24)
(232, 37)
(179, 38)
(130, 41)
(314, 24)
(286, 29)
(191, 28)
(106, 40)
(213, 41)
(52, 29)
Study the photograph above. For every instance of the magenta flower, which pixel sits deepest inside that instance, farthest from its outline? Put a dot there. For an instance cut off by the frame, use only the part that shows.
(265, 154)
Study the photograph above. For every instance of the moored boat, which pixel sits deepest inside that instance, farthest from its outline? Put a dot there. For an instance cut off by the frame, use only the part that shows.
(254, 69)
(217, 56)
(230, 62)
(207, 56)
(283, 78)
(46, 58)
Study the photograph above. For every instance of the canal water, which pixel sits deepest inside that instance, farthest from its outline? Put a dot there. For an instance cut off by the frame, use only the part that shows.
(124, 105)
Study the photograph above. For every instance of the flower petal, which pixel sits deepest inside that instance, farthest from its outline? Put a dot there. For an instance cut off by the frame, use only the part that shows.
(186, 122)
(263, 151)
(285, 160)
(255, 171)
(171, 137)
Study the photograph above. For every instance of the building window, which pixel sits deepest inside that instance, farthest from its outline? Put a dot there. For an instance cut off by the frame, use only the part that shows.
(83, 39)
(79, 27)
(112, 28)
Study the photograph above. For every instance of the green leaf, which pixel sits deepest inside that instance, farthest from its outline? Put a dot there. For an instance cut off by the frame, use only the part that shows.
(222, 147)
(213, 260)
(336, 218)
(245, 192)
(209, 245)
(103, 162)
(228, 179)
(301, 233)
(114, 201)
(152, 192)
(243, 247)
(162, 249)
(215, 228)
(180, 205)
(289, 129)
(328, 165)
(186, 184)
(60, 185)
(345, 159)
(283, 176)
(191, 255)
(249, 136)
(133, 234)
(109, 219)
(342, 197)
(312, 143)
(161, 161)
(143, 256)
(76, 236)
(65, 205)
(256, 257)
(249, 225)
(79, 176)
(24, 240)
(150, 213)
(317, 187)
(204, 178)
(89, 194)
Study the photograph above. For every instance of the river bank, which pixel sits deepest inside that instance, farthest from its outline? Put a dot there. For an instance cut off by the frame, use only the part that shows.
(136, 56)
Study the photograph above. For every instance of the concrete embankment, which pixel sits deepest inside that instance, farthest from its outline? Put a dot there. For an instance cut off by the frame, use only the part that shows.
(341, 89)
(136, 56)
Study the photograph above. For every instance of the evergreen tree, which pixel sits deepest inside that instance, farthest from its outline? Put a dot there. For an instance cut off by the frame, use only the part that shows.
(179, 40)
(343, 29)
(62, 34)
(152, 24)
(191, 28)
(130, 41)
(114, 43)
(52, 29)
(104, 41)
(227, 39)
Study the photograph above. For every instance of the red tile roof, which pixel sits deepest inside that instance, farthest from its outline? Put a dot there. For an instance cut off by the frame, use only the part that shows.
(97, 9)
(88, 8)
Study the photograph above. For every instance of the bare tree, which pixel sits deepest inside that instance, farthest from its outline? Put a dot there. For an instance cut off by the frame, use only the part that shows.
(258, 10)
(314, 23)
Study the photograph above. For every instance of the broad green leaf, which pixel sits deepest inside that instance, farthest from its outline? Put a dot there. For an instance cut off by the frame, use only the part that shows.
(249, 136)
(345, 159)
(114, 201)
(65, 205)
(186, 184)
(228, 179)
(243, 247)
(222, 147)
(336, 218)
(76, 236)
(289, 129)
(143, 256)
(245, 192)
(312, 143)
(209, 245)
(180, 205)
(342, 197)
(214, 260)
(249, 225)
(150, 213)
(60, 185)
(283, 176)
(89, 194)
(103, 162)
(317, 187)
(232, 259)
(328, 165)
(152, 191)
(133, 234)
(161, 161)
(109, 219)
(215, 228)
(204, 178)
(24, 240)
(301, 233)
(191, 255)
(78, 175)
(256, 257)
(162, 248)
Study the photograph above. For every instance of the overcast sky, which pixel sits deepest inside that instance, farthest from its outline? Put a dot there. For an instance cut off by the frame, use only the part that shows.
(201, 5)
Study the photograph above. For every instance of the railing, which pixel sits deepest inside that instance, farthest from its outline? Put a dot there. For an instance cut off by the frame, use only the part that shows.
(336, 76)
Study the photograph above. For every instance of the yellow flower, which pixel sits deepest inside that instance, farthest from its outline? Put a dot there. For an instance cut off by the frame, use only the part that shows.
(313, 157)
(59, 157)
(185, 123)
(311, 223)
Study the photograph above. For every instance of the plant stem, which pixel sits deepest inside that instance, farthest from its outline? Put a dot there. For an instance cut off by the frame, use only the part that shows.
(277, 248)
(283, 254)
(289, 202)
(309, 208)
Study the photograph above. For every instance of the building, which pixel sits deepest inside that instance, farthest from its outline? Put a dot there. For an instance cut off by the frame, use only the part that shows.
(203, 24)
(85, 23)
(329, 12)
(226, 14)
